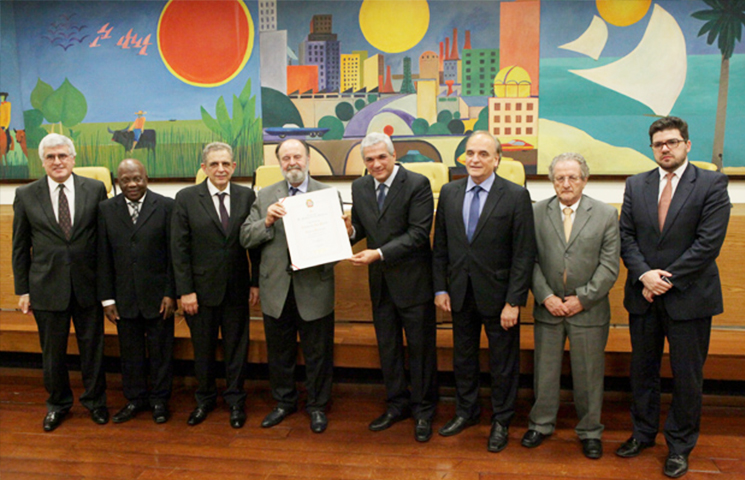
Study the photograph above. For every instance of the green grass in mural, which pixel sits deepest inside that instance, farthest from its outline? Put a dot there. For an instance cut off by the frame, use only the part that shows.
(177, 153)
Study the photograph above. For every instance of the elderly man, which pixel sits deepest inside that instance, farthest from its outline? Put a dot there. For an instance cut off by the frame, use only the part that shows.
(673, 223)
(483, 258)
(212, 278)
(393, 210)
(578, 262)
(137, 290)
(54, 266)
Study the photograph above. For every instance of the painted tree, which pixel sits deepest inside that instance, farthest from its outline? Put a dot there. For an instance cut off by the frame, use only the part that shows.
(724, 23)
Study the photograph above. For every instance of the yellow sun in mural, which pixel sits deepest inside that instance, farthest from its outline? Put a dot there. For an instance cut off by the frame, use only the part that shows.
(394, 26)
(623, 13)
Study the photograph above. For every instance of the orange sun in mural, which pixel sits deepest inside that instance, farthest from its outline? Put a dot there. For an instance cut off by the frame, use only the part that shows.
(205, 43)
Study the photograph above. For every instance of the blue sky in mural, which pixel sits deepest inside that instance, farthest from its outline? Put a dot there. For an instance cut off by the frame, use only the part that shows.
(115, 82)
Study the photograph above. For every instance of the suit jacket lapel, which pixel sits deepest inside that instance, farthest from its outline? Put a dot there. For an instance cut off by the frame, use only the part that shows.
(460, 197)
(236, 203)
(581, 216)
(396, 188)
(209, 205)
(45, 201)
(491, 201)
(81, 196)
(122, 212)
(146, 210)
(650, 195)
(682, 192)
(553, 212)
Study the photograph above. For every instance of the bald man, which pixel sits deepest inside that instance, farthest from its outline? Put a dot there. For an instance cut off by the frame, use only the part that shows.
(137, 290)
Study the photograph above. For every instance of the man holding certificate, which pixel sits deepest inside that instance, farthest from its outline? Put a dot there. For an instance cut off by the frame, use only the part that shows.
(293, 301)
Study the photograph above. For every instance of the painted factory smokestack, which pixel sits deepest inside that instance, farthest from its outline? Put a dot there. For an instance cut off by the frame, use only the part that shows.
(467, 46)
(454, 53)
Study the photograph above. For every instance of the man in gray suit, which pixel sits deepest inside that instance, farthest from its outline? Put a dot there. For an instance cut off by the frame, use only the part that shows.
(577, 264)
(293, 301)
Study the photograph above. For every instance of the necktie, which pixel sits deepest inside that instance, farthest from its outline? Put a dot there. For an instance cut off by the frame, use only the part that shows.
(381, 196)
(135, 211)
(65, 222)
(665, 199)
(567, 223)
(473, 212)
(293, 191)
(223, 211)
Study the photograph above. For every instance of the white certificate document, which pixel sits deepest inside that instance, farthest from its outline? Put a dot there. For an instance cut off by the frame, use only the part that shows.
(314, 228)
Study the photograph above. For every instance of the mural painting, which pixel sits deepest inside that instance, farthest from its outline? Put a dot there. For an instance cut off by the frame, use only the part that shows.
(157, 80)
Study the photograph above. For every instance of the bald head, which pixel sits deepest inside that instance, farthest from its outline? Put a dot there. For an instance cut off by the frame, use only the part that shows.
(132, 179)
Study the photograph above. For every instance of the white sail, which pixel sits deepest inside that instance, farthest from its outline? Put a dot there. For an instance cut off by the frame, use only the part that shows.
(592, 42)
(654, 72)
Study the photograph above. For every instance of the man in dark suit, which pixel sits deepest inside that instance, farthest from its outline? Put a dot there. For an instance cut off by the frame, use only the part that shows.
(213, 280)
(577, 265)
(293, 301)
(54, 266)
(137, 290)
(393, 209)
(673, 223)
(483, 257)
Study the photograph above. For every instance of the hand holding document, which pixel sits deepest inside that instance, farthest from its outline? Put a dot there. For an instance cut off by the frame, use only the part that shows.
(314, 228)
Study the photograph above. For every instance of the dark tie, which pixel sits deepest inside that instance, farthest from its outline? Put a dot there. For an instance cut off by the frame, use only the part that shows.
(135, 211)
(223, 211)
(473, 212)
(293, 191)
(381, 196)
(65, 222)
(665, 199)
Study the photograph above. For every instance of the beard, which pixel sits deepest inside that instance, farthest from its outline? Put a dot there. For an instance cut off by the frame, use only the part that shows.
(295, 175)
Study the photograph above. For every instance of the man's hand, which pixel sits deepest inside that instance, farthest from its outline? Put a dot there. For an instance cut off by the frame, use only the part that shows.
(365, 257)
(648, 295)
(442, 301)
(274, 213)
(348, 223)
(111, 313)
(509, 316)
(253, 296)
(555, 306)
(572, 305)
(167, 307)
(190, 304)
(24, 303)
(653, 282)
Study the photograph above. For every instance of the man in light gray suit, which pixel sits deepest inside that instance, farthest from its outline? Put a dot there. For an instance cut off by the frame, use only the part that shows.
(577, 264)
(293, 301)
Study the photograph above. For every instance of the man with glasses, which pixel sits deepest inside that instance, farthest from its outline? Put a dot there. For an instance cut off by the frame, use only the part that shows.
(673, 223)
(578, 263)
(54, 267)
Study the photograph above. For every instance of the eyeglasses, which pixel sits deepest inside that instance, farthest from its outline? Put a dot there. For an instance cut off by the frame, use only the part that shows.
(571, 178)
(51, 157)
(670, 144)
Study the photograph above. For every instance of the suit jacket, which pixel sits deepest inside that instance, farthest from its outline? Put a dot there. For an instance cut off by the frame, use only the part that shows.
(500, 258)
(687, 247)
(134, 260)
(401, 232)
(45, 264)
(206, 259)
(590, 258)
(313, 287)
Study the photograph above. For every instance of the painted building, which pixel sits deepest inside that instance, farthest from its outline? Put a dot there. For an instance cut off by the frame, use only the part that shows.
(480, 66)
(374, 68)
(267, 16)
(350, 72)
(302, 78)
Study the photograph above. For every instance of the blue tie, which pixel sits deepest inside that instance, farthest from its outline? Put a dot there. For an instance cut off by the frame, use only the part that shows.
(381, 196)
(293, 191)
(473, 212)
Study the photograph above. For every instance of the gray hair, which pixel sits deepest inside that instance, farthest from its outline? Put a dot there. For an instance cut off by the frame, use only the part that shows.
(215, 147)
(497, 143)
(55, 140)
(569, 156)
(374, 139)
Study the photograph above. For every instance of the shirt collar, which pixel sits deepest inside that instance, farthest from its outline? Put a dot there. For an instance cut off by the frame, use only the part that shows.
(214, 190)
(302, 188)
(69, 184)
(678, 171)
(388, 181)
(140, 201)
(573, 207)
(486, 184)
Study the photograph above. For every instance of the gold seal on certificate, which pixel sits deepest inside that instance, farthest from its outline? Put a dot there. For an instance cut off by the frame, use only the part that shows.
(315, 230)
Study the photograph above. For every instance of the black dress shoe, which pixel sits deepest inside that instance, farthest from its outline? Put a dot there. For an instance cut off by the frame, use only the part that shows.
(127, 413)
(676, 465)
(497, 437)
(318, 421)
(237, 416)
(387, 420)
(456, 425)
(532, 438)
(53, 420)
(100, 415)
(276, 416)
(199, 414)
(632, 447)
(160, 413)
(423, 430)
(592, 448)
